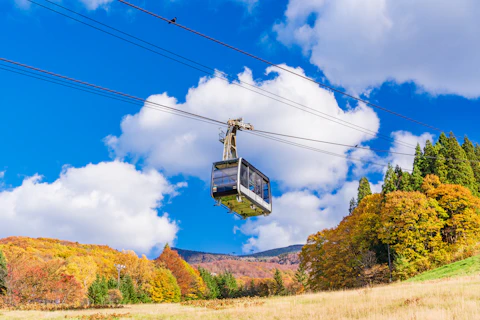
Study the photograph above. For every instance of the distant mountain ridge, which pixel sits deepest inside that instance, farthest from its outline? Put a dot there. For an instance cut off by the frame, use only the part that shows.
(192, 256)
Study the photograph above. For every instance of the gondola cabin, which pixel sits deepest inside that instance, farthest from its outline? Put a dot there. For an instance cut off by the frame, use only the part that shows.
(241, 188)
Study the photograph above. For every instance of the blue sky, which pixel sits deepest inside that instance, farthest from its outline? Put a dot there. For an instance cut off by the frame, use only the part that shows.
(60, 177)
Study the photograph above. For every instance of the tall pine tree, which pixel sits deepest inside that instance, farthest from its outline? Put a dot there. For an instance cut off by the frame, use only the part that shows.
(390, 180)
(452, 165)
(474, 162)
(416, 178)
(427, 166)
(363, 189)
(279, 286)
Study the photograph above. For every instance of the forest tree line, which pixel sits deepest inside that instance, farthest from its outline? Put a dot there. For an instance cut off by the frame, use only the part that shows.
(421, 220)
(51, 271)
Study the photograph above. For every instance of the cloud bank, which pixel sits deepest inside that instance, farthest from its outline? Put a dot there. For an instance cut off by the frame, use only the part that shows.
(107, 203)
(362, 44)
(176, 145)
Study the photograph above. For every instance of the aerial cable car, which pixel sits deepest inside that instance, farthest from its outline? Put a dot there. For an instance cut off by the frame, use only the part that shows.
(236, 184)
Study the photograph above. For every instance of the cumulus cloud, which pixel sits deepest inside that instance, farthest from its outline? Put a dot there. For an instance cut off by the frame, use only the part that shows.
(177, 145)
(107, 203)
(297, 215)
(362, 44)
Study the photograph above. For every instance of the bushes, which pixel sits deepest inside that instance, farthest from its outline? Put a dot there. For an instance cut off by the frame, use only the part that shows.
(115, 296)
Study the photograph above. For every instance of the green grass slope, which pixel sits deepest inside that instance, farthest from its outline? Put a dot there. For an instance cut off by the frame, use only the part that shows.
(469, 266)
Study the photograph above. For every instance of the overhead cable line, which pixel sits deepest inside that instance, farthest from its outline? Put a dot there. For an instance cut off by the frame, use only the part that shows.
(111, 94)
(147, 104)
(215, 73)
(108, 90)
(280, 67)
(164, 108)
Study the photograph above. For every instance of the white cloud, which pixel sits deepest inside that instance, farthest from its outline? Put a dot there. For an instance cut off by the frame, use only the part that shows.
(183, 146)
(296, 215)
(107, 203)
(362, 44)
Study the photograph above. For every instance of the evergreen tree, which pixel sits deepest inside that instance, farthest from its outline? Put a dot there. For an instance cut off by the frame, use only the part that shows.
(452, 165)
(419, 158)
(427, 166)
(405, 182)
(301, 276)
(279, 286)
(390, 180)
(212, 287)
(227, 285)
(440, 168)
(3, 273)
(474, 162)
(353, 205)
(127, 288)
(416, 177)
(112, 283)
(363, 189)
(477, 150)
(98, 291)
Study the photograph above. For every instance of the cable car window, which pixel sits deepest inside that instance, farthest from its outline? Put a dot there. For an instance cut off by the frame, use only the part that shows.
(225, 176)
(258, 185)
(266, 192)
(244, 175)
(251, 180)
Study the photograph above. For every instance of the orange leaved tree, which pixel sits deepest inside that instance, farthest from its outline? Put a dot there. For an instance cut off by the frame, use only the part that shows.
(188, 279)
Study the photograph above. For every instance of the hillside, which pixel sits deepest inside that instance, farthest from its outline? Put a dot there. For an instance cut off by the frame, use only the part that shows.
(245, 268)
(286, 255)
(259, 265)
(277, 252)
(466, 267)
(192, 256)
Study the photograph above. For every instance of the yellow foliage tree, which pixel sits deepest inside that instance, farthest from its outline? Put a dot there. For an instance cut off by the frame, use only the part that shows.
(84, 269)
(163, 287)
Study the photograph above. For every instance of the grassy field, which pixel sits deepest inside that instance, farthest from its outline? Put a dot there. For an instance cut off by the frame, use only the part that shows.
(469, 266)
(457, 298)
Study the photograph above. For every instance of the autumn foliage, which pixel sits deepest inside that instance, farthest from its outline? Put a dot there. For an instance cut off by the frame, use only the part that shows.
(413, 230)
(188, 279)
(163, 287)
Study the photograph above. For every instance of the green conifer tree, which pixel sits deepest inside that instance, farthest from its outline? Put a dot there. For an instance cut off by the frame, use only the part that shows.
(363, 189)
(279, 286)
(3, 273)
(98, 291)
(390, 180)
(127, 288)
(301, 276)
(405, 182)
(213, 291)
(474, 162)
(452, 165)
(440, 167)
(227, 285)
(416, 178)
(427, 166)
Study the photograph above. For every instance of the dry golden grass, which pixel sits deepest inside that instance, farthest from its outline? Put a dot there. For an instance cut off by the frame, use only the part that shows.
(441, 299)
